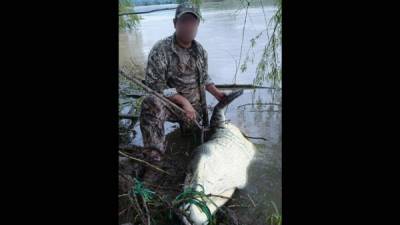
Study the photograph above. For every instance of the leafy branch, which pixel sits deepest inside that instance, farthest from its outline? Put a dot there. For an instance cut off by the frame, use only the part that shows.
(269, 67)
(128, 21)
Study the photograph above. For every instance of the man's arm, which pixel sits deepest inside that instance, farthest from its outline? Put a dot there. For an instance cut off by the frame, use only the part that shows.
(185, 104)
(219, 95)
(156, 69)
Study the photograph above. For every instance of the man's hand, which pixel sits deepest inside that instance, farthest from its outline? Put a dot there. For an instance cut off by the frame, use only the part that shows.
(219, 95)
(190, 112)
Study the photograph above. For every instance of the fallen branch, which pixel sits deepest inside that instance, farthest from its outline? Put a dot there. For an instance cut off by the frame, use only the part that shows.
(142, 161)
(136, 205)
(249, 137)
(219, 196)
(254, 204)
(120, 213)
(147, 210)
(123, 195)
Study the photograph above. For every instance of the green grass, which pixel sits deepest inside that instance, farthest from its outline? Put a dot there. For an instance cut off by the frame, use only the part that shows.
(276, 217)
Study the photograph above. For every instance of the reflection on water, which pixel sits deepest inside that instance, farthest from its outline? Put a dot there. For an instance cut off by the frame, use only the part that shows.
(221, 35)
(264, 174)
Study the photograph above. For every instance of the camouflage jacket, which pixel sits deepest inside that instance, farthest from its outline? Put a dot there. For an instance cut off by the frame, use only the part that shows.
(172, 69)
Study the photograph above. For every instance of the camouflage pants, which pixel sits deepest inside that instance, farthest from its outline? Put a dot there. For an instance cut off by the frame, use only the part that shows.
(154, 114)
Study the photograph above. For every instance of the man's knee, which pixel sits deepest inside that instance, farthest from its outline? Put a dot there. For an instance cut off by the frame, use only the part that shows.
(151, 104)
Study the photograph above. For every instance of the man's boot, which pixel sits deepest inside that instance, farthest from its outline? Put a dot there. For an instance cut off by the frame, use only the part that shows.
(151, 175)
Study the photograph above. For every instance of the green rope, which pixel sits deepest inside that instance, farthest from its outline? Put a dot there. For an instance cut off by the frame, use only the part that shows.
(190, 196)
(139, 189)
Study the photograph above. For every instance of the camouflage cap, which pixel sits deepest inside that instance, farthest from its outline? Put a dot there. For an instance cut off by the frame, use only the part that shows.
(187, 7)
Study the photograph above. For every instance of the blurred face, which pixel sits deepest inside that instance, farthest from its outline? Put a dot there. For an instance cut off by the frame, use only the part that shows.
(186, 27)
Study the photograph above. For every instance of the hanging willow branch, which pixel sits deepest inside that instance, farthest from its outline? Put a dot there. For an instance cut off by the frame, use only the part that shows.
(241, 45)
(269, 66)
(126, 21)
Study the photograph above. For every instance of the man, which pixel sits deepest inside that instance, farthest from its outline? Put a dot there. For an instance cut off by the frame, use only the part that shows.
(177, 68)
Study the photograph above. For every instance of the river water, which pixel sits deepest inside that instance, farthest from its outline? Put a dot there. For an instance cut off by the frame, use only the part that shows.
(221, 35)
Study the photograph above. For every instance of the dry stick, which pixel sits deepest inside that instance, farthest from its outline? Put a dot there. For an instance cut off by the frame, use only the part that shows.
(249, 137)
(120, 213)
(123, 176)
(142, 161)
(147, 210)
(169, 104)
(251, 200)
(265, 17)
(219, 196)
(134, 219)
(119, 196)
(138, 209)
